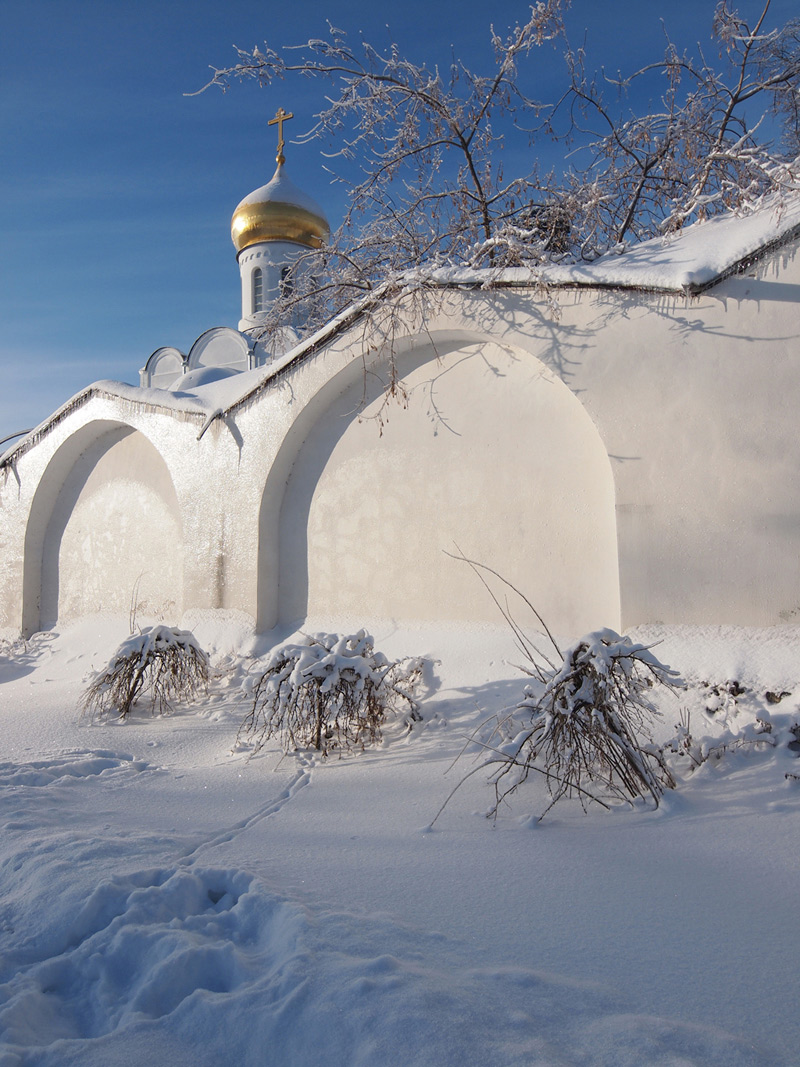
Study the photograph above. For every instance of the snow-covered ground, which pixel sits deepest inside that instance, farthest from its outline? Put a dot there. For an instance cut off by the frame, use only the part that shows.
(166, 900)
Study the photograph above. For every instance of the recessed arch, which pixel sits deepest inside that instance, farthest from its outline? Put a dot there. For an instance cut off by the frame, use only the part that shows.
(104, 530)
(491, 451)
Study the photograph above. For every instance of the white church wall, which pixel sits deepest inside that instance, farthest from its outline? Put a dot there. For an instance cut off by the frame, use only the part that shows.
(695, 401)
(102, 522)
(678, 411)
(114, 540)
(692, 400)
(562, 537)
(490, 452)
(40, 491)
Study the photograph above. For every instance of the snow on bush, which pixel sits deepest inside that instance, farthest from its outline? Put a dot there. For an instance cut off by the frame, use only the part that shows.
(329, 691)
(163, 663)
(584, 726)
(741, 720)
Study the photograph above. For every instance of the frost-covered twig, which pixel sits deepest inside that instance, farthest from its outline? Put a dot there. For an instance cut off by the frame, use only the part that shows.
(524, 643)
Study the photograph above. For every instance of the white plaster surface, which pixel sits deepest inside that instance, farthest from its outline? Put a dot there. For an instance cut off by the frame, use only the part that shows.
(490, 455)
(524, 424)
(114, 539)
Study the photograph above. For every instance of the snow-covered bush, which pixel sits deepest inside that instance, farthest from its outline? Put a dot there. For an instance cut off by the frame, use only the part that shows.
(749, 727)
(329, 691)
(162, 663)
(584, 726)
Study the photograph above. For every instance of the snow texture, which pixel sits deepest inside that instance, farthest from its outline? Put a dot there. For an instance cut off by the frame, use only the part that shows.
(692, 259)
(167, 900)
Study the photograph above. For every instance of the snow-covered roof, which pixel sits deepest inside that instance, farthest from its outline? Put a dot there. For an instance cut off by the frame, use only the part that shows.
(688, 261)
(702, 254)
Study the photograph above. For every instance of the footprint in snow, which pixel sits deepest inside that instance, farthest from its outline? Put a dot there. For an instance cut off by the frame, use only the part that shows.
(141, 945)
(80, 764)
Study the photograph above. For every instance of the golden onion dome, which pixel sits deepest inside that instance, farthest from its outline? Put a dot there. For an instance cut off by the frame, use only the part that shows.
(278, 211)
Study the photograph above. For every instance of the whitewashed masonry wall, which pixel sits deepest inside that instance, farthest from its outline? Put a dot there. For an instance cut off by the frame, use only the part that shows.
(631, 459)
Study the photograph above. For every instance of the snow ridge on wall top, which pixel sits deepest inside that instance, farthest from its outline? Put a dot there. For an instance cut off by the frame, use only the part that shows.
(685, 262)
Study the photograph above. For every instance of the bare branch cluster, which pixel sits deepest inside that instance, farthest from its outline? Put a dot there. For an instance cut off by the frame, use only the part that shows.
(583, 720)
(421, 150)
(329, 692)
(721, 136)
(161, 663)
(586, 726)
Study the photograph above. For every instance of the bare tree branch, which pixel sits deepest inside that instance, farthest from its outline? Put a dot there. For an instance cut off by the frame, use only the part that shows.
(421, 152)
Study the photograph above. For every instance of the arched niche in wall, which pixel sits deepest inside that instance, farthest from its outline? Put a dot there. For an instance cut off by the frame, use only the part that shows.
(104, 531)
(492, 452)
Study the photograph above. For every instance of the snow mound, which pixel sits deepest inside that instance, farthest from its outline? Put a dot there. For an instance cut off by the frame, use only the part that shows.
(72, 765)
(758, 658)
(239, 969)
(210, 910)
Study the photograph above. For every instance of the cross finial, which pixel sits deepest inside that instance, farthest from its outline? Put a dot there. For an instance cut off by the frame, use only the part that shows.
(281, 116)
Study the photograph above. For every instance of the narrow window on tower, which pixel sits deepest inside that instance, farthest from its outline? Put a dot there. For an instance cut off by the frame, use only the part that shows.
(258, 290)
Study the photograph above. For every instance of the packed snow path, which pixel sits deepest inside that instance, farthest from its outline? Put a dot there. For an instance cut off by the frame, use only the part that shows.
(163, 898)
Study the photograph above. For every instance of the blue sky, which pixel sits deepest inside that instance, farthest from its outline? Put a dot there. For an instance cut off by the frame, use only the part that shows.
(116, 188)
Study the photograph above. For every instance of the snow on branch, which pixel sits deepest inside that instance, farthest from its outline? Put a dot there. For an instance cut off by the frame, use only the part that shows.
(329, 692)
(162, 663)
(422, 150)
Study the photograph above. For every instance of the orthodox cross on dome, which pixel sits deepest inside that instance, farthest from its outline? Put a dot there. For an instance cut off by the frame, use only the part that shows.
(281, 116)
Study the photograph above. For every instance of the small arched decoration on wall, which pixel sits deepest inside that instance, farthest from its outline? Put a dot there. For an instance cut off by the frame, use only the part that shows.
(163, 368)
(219, 347)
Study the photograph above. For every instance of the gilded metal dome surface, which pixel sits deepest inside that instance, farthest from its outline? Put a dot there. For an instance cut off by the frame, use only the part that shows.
(278, 211)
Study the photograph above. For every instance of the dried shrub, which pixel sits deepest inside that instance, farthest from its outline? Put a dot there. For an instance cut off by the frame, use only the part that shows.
(161, 663)
(585, 728)
(760, 730)
(583, 723)
(329, 691)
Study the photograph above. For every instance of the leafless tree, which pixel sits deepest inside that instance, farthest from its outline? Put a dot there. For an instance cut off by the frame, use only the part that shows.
(723, 136)
(421, 150)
